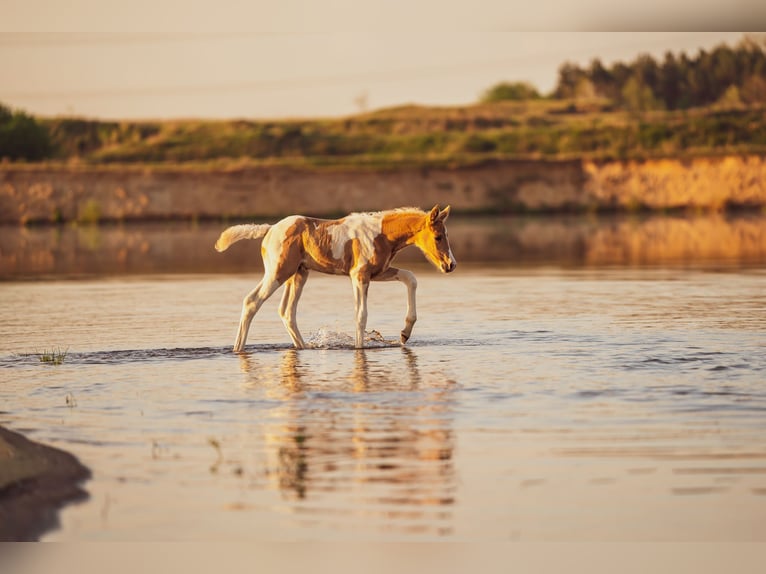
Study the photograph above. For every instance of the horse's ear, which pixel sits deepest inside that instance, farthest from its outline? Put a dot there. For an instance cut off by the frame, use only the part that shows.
(434, 214)
(444, 214)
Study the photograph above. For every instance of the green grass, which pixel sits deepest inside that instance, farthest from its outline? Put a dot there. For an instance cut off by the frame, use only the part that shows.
(414, 135)
(54, 356)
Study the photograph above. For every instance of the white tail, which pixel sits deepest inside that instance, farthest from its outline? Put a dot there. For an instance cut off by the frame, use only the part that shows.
(238, 232)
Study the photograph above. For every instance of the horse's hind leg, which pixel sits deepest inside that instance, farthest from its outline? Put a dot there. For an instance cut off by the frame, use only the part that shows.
(289, 305)
(250, 307)
(408, 278)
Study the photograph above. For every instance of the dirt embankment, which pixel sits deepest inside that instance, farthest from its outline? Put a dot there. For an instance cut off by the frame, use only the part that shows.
(49, 194)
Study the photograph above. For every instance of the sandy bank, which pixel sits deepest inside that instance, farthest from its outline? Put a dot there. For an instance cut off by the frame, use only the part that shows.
(35, 481)
(42, 193)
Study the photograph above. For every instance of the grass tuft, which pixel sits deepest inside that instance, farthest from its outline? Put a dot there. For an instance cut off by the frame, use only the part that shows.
(54, 356)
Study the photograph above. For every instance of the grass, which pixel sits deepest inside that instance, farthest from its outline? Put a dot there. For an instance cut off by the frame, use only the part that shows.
(413, 135)
(53, 356)
(219, 454)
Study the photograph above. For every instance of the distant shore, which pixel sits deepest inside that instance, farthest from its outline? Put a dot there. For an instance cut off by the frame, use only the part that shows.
(35, 482)
(55, 193)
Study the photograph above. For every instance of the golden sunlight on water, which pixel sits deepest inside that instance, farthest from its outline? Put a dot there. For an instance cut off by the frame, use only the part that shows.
(592, 403)
(388, 456)
(187, 248)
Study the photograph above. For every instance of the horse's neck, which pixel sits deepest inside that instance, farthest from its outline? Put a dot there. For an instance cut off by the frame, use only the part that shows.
(400, 229)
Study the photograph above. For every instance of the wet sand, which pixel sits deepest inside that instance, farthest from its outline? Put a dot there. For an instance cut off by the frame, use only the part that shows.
(35, 482)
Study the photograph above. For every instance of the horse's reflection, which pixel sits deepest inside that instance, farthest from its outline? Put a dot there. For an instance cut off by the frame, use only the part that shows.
(385, 435)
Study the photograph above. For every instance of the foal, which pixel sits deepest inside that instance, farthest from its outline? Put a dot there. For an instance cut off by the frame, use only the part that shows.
(360, 245)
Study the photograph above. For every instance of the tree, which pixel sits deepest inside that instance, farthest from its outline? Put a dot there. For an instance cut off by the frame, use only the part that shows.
(569, 77)
(601, 78)
(510, 91)
(21, 137)
(647, 71)
(730, 99)
(670, 82)
(5, 114)
(754, 90)
(638, 97)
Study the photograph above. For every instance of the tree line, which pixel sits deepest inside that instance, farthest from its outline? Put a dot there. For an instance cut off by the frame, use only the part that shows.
(731, 76)
(728, 84)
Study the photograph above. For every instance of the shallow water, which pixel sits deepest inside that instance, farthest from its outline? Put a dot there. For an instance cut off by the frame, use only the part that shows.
(564, 241)
(588, 403)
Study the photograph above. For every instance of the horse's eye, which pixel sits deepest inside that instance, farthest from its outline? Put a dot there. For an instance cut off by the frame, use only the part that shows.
(438, 238)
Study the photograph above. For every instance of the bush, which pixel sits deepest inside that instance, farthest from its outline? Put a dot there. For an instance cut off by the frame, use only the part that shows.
(515, 91)
(21, 137)
(476, 143)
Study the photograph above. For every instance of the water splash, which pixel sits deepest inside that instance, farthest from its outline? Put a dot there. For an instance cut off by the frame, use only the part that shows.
(325, 338)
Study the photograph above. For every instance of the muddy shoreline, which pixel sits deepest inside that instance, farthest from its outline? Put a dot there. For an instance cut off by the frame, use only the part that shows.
(35, 482)
(50, 193)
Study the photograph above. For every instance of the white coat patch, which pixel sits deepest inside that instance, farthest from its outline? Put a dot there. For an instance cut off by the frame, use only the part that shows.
(362, 226)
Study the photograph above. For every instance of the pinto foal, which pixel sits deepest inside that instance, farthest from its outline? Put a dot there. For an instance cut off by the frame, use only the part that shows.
(360, 245)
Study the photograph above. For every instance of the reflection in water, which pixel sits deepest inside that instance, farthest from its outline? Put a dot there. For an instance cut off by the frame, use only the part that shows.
(590, 407)
(572, 240)
(381, 438)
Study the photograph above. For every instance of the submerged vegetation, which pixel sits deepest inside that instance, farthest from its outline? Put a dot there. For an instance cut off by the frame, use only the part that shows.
(54, 356)
(709, 104)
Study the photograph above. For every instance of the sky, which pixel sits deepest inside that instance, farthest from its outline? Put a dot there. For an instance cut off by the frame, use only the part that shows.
(297, 58)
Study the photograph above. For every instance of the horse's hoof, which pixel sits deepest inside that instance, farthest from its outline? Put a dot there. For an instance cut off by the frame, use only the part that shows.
(403, 337)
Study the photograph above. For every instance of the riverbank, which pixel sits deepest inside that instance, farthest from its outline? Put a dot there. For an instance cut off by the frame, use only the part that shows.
(35, 481)
(51, 193)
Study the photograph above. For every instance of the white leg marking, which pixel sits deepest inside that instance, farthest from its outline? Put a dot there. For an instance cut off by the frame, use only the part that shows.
(360, 287)
(289, 306)
(408, 278)
(250, 307)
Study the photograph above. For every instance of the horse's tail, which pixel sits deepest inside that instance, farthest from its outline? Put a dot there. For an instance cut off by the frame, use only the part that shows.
(238, 232)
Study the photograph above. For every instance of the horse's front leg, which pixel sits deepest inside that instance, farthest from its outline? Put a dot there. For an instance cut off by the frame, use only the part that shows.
(360, 285)
(408, 278)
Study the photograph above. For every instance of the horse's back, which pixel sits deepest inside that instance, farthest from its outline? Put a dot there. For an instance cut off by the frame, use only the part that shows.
(332, 246)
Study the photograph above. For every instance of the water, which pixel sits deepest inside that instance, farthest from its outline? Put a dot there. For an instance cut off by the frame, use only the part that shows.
(545, 402)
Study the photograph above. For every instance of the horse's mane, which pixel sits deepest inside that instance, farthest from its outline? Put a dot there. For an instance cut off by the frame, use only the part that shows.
(412, 210)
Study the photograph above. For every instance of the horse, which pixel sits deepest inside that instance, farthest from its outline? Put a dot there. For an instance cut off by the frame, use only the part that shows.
(359, 245)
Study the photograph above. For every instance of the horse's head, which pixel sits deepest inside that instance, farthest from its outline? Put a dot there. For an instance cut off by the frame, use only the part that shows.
(432, 240)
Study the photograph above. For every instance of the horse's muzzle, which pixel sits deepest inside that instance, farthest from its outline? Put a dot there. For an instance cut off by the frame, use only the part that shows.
(449, 267)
